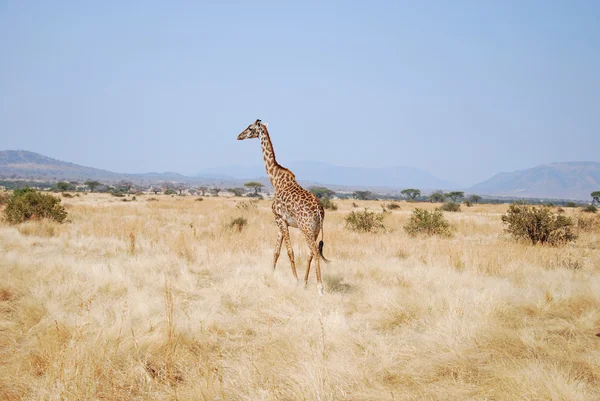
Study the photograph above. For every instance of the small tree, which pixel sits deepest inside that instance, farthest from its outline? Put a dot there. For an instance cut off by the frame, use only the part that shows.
(203, 190)
(456, 195)
(124, 185)
(595, 197)
(237, 191)
(322, 192)
(256, 186)
(62, 186)
(156, 190)
(216, 191)
(411, 193)
(475, 198)
(363, 195)
(437, 196)
(91, 184)
(180, 188)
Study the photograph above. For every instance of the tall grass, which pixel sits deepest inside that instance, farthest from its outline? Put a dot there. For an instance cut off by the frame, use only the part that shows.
(163, 301)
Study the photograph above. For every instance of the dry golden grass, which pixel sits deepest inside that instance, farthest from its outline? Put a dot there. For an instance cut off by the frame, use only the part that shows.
(163, 300)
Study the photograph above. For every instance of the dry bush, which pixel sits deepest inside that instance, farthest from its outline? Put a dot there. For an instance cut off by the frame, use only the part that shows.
(4, 197)
(152, 200)
(539, 225)
(28, 204)
(587, 223)
(252, 204)
(365, 221)
(328, 204)
(450, 207)
(238, 223)
(199, 199)
(427, 222)
(67, 195)
(589, 209)
(393, 206)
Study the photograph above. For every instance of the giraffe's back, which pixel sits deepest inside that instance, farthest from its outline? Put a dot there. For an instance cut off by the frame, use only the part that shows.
(299, 207)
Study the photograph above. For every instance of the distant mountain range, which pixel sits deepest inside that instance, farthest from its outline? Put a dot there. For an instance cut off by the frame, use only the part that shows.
(328, 174)
(569, 180)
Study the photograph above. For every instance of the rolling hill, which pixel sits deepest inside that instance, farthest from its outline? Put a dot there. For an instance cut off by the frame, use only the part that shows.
(567, 180)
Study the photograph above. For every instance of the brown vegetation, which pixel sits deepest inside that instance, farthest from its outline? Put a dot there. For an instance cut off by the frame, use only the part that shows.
(163, 301)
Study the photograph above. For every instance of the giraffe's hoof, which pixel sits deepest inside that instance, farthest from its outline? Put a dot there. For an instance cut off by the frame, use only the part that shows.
(320, 290)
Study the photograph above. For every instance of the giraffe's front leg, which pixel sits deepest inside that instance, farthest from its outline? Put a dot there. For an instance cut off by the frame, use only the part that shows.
(284, 232)
(277, 249)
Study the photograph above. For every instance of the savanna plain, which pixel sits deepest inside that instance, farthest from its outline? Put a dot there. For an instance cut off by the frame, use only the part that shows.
(165, 300)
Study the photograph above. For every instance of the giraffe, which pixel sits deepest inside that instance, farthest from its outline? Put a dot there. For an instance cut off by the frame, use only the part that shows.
(292, 206)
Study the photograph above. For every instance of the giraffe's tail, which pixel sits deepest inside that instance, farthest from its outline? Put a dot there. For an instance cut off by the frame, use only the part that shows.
(321, 243)
(321, 252)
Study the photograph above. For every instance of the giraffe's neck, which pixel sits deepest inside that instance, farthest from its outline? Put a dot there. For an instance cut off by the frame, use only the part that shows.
(277, 174)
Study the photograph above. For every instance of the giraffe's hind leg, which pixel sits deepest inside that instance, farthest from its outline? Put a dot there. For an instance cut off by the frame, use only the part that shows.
(314, 255)
(277, 249)
(285, 236)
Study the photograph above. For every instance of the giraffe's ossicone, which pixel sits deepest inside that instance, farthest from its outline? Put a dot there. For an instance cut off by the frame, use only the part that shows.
(292, 206)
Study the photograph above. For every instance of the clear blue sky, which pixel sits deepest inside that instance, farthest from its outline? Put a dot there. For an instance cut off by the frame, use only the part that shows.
(461, 89)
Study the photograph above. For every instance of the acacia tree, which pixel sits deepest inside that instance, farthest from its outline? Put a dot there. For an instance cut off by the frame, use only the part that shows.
(322, 192)
(181, 188)
(595, 197)
(475, 198)
(62, 186)
(237, 191)
(256, 186)
(216, 191)
(437, 196)
(156, 190)
(91, 184)
(203, 190)
(124, 185)
(456, 195)
(363, 195)
(411, 193)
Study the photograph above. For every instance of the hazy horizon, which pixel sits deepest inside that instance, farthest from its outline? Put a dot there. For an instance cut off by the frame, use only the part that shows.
(462, 91)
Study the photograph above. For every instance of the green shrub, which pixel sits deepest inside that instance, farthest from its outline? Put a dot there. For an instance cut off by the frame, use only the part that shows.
(590, 209)
(66, 195)
(539, 225)
(429, 223)
(328, 204)
(118, 194)
(365, 221)
(169, 191)
(238, 223)
(468, 203)
(570, 204)
(450, 207)
(28, 204)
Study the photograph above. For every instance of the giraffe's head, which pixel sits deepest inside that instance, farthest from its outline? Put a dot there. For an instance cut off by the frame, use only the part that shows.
(253, 130)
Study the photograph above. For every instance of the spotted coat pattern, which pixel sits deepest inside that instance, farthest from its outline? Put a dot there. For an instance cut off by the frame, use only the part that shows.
(292, 205)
